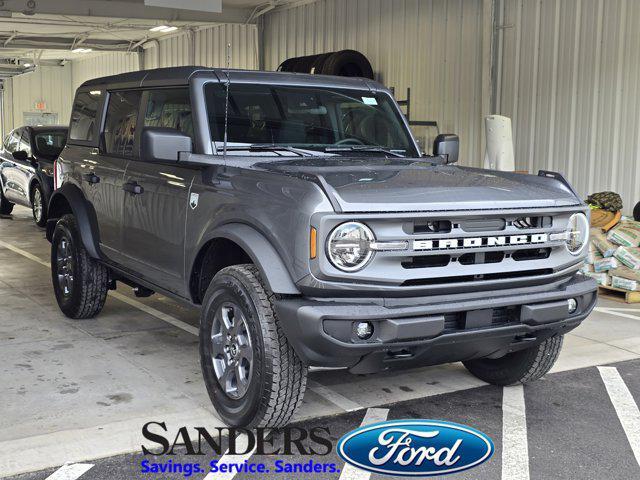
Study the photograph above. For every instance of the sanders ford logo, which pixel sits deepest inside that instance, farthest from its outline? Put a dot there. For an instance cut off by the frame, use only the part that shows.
(415, 447)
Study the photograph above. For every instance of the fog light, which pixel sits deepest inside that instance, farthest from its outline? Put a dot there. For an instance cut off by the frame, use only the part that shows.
(364, 330)
(572, 304)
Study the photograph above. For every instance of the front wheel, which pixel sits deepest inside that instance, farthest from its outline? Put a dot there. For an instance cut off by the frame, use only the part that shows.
(80, 283)
(518, 367)
(253, 376)
(38, 206)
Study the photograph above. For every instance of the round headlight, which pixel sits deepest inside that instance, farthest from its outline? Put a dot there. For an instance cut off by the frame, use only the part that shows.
(577, 233)
(349, 246)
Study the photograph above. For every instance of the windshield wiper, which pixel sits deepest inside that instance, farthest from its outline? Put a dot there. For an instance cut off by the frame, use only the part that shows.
(259, 147)
(363, 148)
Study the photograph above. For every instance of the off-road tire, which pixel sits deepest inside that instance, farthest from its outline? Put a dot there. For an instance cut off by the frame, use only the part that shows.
(42, 221)
(518, 367)
(6, 207)
(277, 377)
(90, 278)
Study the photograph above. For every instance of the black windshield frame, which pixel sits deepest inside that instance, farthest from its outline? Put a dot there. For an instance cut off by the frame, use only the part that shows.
(307, 117)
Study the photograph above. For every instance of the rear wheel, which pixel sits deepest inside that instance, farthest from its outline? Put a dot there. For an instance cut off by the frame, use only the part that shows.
(38, 206)
(518, 367)
(253, 376)
(80, 283)
(6, 207)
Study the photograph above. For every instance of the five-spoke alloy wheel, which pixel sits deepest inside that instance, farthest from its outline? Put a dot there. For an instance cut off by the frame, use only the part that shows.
(231, 350)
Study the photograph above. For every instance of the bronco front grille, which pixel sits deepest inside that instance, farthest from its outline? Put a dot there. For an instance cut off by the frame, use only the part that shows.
(461, 247)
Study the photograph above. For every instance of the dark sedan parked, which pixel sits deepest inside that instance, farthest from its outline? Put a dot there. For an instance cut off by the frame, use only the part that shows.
(26, 168)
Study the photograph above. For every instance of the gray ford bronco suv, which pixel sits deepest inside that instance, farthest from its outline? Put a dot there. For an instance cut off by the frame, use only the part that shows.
(299, 214)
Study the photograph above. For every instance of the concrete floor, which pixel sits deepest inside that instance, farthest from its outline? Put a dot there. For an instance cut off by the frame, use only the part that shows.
(80, 390)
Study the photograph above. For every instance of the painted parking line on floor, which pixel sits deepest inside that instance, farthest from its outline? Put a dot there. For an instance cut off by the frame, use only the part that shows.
(70, 472)
(373, 415)
(625, 406)
(226, 459)
(618, 312)
(334, 397)
(515, 450)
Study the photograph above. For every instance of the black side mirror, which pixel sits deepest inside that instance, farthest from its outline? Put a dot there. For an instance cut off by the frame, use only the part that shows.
(20, 155)
(447, 145)
(161, 144)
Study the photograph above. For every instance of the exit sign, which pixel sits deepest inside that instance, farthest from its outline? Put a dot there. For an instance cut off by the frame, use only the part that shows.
(41, 106)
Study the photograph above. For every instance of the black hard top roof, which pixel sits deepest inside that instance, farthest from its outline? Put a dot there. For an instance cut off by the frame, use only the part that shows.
(182, 75)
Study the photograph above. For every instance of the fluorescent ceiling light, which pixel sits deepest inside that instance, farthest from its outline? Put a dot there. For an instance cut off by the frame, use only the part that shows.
(95, 93)
(82, 50)
(26, 65)
(163, 29)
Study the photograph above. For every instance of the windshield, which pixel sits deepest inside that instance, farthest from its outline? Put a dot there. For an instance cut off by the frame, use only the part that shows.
(49, 144)
(309, 118)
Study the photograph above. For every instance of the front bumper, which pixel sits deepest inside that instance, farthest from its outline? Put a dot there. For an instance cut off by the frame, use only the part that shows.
(431, 330)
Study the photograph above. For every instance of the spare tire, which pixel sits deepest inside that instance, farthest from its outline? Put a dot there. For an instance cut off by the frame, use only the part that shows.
(319, 62)
(287, 64)
(347, 63)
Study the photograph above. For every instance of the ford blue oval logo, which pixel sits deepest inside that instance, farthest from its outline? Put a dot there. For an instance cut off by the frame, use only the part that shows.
(415, 447)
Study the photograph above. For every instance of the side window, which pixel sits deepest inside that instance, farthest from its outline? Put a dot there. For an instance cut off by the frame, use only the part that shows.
(170, 108)
(120, 125)
(25, 143)
(84, 117)
(10, 142)
(14, 141)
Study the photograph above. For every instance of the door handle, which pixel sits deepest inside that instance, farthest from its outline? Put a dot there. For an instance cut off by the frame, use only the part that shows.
(91, 178)
(133, 188)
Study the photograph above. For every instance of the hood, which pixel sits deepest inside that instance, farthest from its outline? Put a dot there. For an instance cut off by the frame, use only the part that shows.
(401, 184)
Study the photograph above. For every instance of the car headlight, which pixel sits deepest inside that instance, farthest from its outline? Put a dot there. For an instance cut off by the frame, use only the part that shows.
(349, 246)
(577, 233)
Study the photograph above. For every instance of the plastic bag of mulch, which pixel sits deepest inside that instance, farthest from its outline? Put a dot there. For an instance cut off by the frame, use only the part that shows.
(629, 256)
(624, 283)
(626, 234)
(605, 264)
(626, 272)
(604, 246)
(600, 278)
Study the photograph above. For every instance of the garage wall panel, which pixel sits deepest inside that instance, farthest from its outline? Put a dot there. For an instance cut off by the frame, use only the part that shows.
(103, 65)
(206, 47)
(49, 84)
(432, 46)
(569, 80)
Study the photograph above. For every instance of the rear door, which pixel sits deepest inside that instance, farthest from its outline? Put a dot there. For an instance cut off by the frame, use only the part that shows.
(24, 169)
(155, 213)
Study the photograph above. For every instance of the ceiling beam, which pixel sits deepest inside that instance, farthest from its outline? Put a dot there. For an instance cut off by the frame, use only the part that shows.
(65, 43)
(124, 9)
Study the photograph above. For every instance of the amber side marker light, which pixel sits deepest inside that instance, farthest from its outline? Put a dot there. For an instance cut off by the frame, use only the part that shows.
(313, 243)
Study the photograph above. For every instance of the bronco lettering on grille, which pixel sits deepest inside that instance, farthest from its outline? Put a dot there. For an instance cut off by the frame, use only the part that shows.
(476, 242)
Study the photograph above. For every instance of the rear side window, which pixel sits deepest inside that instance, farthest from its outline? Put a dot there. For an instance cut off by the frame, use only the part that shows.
(170, 108)
(25, 144)
(84, 117)
(120, 125)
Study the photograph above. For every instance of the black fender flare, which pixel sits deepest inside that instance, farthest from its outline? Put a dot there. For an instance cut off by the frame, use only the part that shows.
(264, 255)
(69, 194)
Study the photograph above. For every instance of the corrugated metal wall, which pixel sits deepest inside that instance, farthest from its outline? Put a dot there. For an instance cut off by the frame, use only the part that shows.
(46, 84)
(210, 48)
(102, 65)
(569, 77)
(432, 46)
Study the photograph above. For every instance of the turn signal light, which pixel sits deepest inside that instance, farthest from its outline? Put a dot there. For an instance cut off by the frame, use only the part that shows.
(313, 243)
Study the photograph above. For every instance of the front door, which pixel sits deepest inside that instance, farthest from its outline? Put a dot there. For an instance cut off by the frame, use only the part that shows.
(155, 206)
(153, 230)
